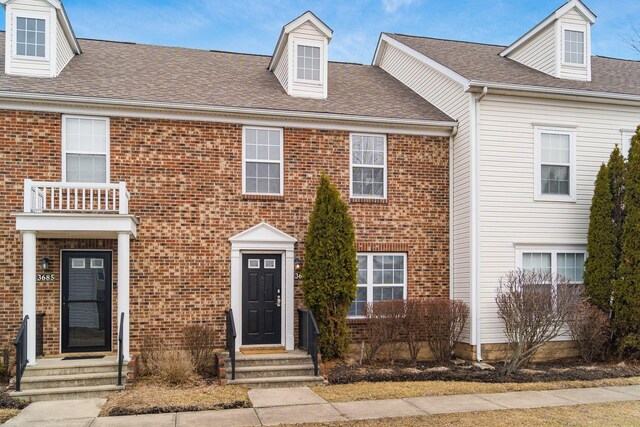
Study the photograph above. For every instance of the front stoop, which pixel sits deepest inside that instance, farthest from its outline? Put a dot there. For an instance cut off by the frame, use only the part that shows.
(57, 379)
(289, 369)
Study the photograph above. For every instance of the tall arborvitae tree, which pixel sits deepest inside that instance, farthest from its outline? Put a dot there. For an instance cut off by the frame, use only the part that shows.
(600, 267)
(330, 269)
(627, 288)
(617, 177)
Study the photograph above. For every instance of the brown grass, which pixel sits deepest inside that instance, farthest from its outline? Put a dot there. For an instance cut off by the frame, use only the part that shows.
(400, 390)
(7, 414)
(150, 398)
(609, 414)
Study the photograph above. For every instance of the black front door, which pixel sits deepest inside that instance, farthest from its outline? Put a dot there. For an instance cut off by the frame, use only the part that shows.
(86, 301)
(261, 299)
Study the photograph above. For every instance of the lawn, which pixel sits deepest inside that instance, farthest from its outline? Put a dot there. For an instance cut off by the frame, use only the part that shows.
(7, 414)
(609, 414)
(400, 390)
(147, 397)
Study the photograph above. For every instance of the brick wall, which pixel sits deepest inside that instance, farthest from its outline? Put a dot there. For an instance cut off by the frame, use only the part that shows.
(185, 183)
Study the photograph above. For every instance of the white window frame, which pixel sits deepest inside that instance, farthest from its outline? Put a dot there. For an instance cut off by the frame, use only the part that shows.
(352, 165)
(370, 286)
(554, 251)
(575, 28)
(47, 35)
(537, 172)
(64, 144)
(310, 43)
(626, 142)
(244, 160)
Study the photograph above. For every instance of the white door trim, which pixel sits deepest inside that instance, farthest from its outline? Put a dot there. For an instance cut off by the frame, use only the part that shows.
(264, 238)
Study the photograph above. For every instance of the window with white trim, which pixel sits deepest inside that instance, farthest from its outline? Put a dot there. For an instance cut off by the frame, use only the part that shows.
(308, 63)
(555, 164)
(85, 142)
(563, 261)
(368, 166)
(381, 277)
(574, 47)
(262, 165)
(626, 142)
(31, 37)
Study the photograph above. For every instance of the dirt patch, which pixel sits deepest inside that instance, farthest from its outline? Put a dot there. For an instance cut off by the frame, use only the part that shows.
(566, 370)
(151, 398)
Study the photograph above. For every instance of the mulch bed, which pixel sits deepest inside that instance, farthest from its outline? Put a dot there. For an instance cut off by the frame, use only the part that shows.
(7, 402)
(565, 370)
(120, 411)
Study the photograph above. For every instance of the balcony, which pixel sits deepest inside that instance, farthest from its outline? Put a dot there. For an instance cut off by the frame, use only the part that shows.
(76, 210)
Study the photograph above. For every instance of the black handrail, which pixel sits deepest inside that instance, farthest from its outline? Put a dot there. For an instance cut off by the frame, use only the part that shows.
(308, 336)
(21, 350)
(231, 342)
(120, 354)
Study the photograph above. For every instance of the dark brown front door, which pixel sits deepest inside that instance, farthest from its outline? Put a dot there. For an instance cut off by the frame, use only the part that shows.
(86, 301)
(261, 299)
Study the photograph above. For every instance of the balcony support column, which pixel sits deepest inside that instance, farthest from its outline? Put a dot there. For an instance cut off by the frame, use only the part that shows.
(29, 291)
(123, 289)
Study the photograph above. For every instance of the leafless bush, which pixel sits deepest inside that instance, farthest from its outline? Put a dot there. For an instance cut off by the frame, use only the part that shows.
(414, 326)
(174, 367)
(149, 350)
(534, 306)
(200, 343)
(445, 320)
(590, 328)
(383, 330)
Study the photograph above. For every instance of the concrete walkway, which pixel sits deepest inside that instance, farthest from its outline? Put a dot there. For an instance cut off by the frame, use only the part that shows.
(302, 405)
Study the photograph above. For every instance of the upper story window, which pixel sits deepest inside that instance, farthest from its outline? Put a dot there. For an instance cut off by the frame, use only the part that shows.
(368, 166)
(308, 63)
(262, 165)
(31, 37)
(555, 164)
(574, 47)
(85, 149)
(381, 277)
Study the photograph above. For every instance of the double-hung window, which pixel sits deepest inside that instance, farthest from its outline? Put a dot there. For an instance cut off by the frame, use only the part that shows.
(381, 277)
(574, 47)
(562, 261)
(555, 165)
(262, 165)
(308, 63)
(31, 37)
(85, 142)
(368, 166)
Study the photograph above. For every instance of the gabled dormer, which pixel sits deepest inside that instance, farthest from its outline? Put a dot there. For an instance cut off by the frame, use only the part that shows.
(39, 39)
(300, 60)
(560, 45)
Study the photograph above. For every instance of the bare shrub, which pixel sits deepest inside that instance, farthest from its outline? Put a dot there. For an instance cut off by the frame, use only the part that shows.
(383, 330)
(151, 347)
(200, 343)
(534, 306)
(445, 320)
(591, 329)
(174, 367)
(414, 327)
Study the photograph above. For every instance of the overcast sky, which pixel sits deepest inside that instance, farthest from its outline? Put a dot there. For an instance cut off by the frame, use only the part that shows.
(253, 26)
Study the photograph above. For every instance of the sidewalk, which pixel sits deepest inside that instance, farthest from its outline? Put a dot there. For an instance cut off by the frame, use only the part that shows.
(302, 405)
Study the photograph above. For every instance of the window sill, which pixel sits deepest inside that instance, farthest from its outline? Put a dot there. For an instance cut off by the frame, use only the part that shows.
(264, 197)
(551, 198)
(364, 200)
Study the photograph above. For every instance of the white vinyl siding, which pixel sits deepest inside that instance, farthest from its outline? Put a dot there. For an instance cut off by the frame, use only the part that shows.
(262, 163)
(282, 68)
(64, 53)
(540, 52)
(368, 166)
(451, 98)
(381, 277)
(85, 149)
(626, 142)
(509, 215)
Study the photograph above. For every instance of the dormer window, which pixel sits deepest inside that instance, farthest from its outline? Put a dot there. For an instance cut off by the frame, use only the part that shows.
(31, 37)
(574, 47)
(308, 63)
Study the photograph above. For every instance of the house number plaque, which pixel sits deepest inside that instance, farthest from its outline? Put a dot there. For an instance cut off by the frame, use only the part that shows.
(45, 277)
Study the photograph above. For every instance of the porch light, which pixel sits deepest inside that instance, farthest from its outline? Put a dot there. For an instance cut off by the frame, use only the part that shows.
(44, 263)
(297, 263)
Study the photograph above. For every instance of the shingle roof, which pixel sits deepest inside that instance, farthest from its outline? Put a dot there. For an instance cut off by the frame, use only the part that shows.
(483, 63)
(136, 72)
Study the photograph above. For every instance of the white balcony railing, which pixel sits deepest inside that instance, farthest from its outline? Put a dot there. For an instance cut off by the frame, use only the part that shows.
(63, 197)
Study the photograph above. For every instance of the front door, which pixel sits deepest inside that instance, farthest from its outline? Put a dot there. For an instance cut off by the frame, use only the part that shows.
(261, 299)
(86, 301)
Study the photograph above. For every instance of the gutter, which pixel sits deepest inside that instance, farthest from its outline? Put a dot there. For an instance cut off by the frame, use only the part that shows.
(451, 278)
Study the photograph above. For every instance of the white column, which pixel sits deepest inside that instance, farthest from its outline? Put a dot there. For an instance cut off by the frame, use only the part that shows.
(236, 294)
(123, 290)
(290, 315)
(29, 291)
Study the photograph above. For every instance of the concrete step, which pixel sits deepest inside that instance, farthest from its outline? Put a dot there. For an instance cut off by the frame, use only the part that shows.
(70, 368)
(276, 382)
(73, 380)
(271, 359)
(298, 370)
(65, 393)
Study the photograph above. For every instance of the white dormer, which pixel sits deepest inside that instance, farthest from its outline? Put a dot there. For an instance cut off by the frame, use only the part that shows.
(300, 60)
(560, 45)
(39, 40)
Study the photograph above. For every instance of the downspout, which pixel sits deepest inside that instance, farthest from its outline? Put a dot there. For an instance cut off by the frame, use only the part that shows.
(451, 281)
(476, 233)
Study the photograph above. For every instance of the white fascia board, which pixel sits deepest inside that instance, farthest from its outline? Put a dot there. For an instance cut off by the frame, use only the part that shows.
(76, 223)
(580, 7)
(420, 57)
(304, 119)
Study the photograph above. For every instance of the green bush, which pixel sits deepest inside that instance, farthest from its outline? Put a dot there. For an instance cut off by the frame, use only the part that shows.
(330, 269)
